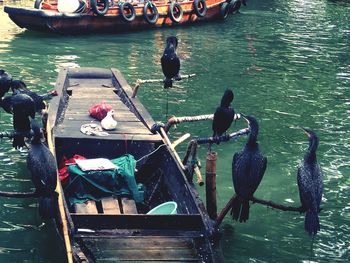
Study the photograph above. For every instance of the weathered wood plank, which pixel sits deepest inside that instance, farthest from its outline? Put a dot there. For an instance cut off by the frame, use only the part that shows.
(148, 261)
(77, 135)
(88, 207)
(143, 242)
(120, 116)
(145, 254)
(73, 126)
(129, 206)
(139, 221)
(87, 83)
(110, 206)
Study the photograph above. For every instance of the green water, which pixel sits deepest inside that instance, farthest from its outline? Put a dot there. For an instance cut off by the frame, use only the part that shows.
(288, 63)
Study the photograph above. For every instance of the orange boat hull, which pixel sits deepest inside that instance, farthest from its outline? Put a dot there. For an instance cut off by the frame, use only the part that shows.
(112, 22)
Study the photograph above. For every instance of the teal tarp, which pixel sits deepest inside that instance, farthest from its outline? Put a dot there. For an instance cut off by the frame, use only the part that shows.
(95, 185)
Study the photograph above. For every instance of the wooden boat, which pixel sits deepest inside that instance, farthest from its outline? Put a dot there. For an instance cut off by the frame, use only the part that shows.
(101, 16)
(115, 228)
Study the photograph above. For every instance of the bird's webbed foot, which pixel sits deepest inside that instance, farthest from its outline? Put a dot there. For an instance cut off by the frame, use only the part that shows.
(178, 77)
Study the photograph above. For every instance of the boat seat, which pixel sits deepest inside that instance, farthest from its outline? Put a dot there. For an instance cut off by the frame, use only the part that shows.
(110, 205)
(128, 205)
(89, 207)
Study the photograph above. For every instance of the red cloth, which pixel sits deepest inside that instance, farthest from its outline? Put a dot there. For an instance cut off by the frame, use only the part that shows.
(62, 168)
(99, 111)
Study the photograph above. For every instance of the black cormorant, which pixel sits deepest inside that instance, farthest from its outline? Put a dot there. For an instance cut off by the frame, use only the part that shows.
(248, 168)
(19, 86)
(224, 114)
(310, 184)
(170, 62)
(22, 107)
(42, 166)
(5, 82)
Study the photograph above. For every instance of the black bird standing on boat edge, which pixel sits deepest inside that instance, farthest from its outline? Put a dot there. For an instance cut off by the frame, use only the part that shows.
(170, 62)
(310, 184)
(224, 114)
(248, 168)
(42, 166)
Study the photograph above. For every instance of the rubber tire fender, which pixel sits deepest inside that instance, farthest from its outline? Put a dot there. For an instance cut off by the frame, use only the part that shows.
(127, 6)
(200, 8)
(224, 10)
(234, 6)
(175, 9)
(93, 5)
(38, 4)
(153, 17)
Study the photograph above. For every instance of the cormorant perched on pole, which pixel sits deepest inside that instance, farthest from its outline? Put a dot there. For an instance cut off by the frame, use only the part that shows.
(170, 62)
(22, 107)
(224, 114)
(248, 168)
(42, 166)
(310, 184)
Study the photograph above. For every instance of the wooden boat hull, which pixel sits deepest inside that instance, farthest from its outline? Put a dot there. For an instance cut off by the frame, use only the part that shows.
(94, 230)
(112, 22)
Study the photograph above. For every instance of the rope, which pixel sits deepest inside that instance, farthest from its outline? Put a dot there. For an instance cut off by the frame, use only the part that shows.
(143, 157)
(167, 104)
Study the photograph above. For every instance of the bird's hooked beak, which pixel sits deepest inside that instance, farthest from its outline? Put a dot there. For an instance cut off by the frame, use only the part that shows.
(245, 117)
(306, 132)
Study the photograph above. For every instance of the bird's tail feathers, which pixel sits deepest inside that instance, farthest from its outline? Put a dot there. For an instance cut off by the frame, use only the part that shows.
(240, 209)
(312, 222)
(236, 208)
(168, 83)
(245, 211)
(18, 142)
(48, 206)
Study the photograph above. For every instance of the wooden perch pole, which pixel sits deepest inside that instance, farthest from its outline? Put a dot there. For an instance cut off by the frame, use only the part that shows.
(228, 206)
(171, 147)
(181, 139)
(143, 81)
(175, 120)
(210, 183)
(223, 138)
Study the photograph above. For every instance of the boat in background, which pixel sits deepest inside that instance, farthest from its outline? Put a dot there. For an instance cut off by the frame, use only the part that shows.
(109, 16)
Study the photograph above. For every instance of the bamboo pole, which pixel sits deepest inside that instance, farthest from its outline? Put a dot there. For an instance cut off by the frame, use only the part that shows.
(223, 138)
(175, 120)
(210, 182)
(181, 139)
(143, 81)
(60, 200)
(170, 145)
(198, 174)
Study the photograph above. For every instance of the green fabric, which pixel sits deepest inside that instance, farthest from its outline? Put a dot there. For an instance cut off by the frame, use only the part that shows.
(95, 185)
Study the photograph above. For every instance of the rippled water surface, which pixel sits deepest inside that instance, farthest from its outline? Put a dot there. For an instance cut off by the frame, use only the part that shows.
(289, 65)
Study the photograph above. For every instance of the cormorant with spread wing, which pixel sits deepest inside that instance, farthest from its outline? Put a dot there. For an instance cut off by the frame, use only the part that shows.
(310, 184)
(18, 86)
(170, 62)
(224, 114)
(42, 166)
(248, 168)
